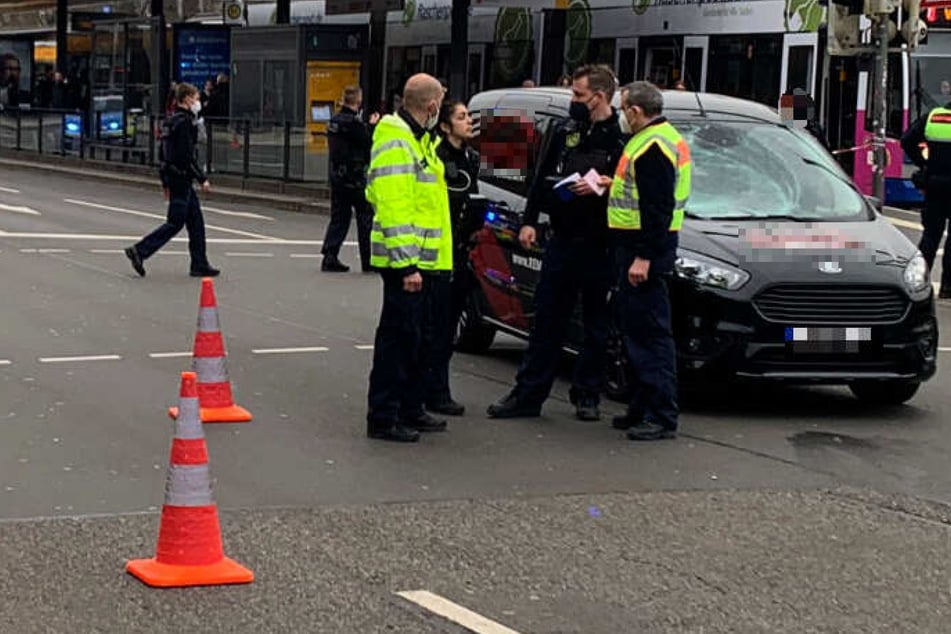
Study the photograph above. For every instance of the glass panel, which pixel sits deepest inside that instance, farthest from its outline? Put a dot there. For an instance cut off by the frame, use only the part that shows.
(627, 65)
(693, 68)
(799, 71)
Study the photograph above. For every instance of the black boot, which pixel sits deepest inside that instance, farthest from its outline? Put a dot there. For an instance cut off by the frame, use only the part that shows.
(425, 423)
(395, 433)
(205, 271)
(133, 254)
(510, 407)
(446, 407)
(648, 430)
(332, 264)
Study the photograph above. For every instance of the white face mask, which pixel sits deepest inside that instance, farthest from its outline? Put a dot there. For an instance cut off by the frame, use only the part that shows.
(195, 107)
(432, 120)
(624, 123)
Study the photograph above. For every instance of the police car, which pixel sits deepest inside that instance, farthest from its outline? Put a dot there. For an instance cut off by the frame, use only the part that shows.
(785, 271)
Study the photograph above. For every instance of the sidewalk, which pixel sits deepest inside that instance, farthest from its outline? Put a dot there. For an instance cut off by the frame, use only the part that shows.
(720, 561)
(298, 197)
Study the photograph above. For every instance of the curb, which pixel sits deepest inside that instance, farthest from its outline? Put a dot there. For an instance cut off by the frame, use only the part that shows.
(299, 204)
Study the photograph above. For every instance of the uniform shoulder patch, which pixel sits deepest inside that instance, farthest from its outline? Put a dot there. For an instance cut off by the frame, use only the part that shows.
(573, 139)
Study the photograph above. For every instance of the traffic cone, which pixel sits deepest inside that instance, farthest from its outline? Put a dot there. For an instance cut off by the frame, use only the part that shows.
(208, 361)
(189, 551)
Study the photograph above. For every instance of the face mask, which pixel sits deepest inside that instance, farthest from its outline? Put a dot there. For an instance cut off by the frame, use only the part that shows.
(195, 107)
(624, 123)
(579, 112)
(432, 121)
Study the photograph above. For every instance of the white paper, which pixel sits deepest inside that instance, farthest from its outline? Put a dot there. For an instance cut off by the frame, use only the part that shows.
(567, 180)
(592, 178)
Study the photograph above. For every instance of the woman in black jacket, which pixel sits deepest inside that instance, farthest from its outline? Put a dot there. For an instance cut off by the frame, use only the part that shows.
(462, 180)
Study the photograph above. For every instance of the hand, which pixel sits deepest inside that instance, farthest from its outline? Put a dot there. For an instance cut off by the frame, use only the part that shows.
(165, 193)
(581, 188)
(605, 182)
(526, 237)
(374, 118)
(638, 271)
(206, 186)
(413, 283)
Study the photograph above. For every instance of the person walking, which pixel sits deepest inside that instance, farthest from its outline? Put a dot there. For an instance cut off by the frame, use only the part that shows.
(645, 213)
(411, 246)
(576, 258)
(448, 297)
(349, 138)
(935, 179)
(179, 169)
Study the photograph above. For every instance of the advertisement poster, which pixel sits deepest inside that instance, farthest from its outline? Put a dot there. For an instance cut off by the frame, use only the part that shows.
(325, 84)
(202, 53)
(16, 77)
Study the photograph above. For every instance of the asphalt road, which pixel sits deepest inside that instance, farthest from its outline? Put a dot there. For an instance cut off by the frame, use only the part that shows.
(781, 509)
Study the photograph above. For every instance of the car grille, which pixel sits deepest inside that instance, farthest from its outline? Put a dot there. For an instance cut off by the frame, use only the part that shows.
(795, 305)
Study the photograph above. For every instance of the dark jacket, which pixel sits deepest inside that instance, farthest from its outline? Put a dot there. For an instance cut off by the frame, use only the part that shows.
(179, 141)
(655, 177)
(218, 104)
(567, 148)
(938, 163)
(462, 179)
(350, 139)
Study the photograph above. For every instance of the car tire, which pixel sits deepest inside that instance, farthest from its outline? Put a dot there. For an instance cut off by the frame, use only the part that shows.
(884, 392)
(472, 334)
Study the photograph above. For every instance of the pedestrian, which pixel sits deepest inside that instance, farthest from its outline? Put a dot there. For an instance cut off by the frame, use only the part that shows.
(680, 85)
(528, 83)
(576, 258)
(935, 178)
(411, 244)
(349, 138)
(645, 214)
(448, 296)
(179, 169)
(564, 81)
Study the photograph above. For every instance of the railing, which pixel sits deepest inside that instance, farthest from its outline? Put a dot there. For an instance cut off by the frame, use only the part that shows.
(240, 147)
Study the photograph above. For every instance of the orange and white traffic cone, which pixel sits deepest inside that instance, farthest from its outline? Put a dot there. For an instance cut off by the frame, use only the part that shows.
(189, 551)
(208, 361)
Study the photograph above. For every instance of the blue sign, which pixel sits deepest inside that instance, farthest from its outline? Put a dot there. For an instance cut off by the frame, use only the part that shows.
(201, 54)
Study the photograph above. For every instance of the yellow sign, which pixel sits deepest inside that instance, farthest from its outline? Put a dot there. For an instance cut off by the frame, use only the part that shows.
(233, 12)
(325, 84)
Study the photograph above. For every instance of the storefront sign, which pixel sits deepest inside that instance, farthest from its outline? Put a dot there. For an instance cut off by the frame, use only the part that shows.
(202, 54)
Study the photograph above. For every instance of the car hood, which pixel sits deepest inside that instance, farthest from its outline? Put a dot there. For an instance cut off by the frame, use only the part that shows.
(782, 250)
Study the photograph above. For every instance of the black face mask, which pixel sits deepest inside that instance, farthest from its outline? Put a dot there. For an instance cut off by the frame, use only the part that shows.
(579, 112)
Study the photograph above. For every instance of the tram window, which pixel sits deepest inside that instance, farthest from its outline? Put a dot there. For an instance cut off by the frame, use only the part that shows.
(799, 72)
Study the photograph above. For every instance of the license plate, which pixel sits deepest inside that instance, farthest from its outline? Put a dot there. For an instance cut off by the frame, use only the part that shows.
(827, 340)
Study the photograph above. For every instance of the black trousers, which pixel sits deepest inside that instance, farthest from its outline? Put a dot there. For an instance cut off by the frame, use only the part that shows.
(396, 380)
(643, 314)
(570, 267)
(443, 310)
(934, 221)
(343, 203)
(183, 211)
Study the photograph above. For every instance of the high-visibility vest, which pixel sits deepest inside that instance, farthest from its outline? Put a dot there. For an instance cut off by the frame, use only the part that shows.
(406, 185)
(623, 202)
(938, 126)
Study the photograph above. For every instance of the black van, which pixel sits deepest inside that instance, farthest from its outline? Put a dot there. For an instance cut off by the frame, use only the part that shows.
(785, 272)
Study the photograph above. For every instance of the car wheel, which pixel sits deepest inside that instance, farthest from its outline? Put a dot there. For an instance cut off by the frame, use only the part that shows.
(884, 392)
(618, 384)
(472, 335)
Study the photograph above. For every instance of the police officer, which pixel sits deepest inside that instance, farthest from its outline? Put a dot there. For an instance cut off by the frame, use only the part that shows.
(645, 212)
(349, 139)
(576, 258)
(935, 179)
(411, 245)
(178, 171)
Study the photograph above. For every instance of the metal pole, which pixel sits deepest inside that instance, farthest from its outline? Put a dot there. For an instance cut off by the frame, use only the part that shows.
(283, 13)
(881, 111)
(374, 58)
(459, 50)
(62, 38)
(160, 65)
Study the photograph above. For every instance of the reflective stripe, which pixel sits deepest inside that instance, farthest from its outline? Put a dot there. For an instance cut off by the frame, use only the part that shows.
(394, 232)
(188, 421)
(633, 204)
(208, 320)
(396, 254)
(188, 485)
(425, 177)
(389, 145)
(428, 255)
(390, 170)
(210, 369)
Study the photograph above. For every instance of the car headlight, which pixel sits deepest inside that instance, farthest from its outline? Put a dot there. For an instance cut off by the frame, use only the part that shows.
(916, 274)
(709, 272)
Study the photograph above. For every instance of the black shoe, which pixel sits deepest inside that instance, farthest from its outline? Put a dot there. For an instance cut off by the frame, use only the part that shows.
(587, 409)
(446, 407)
(133, 254)
(206, 271)
(426, 423)
(648, 430)
(396, 433)
(623, 422)
(510, 407)
(944, 293)
(332, 265)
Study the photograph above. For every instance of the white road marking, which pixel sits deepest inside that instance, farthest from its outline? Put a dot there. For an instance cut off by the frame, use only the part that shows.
(19, 210)
(27, 250)
(171, 252)
(898, 222)
(306, 255)
(944, 349)
(364, 346)
(53, 250)
(101, 357)
(119, 238)
(239, 214)
(905, 211)
(5, 362)
(249, 255)
(145, 214)
(110, 251)
(169, 355)
(9, 190)
(455, 613)
(289, 350)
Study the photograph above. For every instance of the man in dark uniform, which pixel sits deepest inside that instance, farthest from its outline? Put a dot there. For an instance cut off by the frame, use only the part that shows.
(350, 140)
(645, 214)
(935, 179)
(577, 257)
(178, 171)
